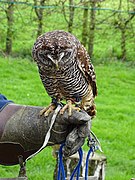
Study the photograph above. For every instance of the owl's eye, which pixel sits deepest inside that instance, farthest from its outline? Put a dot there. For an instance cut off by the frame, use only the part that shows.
(41, 55)
(67, 54)
(44, 58)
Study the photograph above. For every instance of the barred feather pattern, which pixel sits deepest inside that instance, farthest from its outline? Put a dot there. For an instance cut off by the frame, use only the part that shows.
(74, 78)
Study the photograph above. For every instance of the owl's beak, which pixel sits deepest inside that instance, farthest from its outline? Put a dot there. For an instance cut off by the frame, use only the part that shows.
(57, 66)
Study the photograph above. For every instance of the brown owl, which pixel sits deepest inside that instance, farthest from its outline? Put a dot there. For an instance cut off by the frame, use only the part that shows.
(66, 71)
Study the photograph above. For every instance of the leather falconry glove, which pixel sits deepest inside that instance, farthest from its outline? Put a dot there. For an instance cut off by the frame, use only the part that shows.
(23, 130)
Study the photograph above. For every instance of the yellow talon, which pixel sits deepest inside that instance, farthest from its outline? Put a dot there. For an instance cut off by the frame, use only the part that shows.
(70, 107)
(47, 110)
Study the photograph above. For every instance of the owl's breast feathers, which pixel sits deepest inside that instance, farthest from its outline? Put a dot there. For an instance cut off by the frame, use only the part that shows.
(67, 84)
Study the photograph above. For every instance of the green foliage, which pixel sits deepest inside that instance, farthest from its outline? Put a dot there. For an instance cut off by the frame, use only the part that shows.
(114, 124)
(107, 43)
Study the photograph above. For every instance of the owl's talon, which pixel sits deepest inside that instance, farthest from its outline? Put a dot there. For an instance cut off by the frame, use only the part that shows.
(46, 111)
(70, 107)
(42, 111)
(63, 109)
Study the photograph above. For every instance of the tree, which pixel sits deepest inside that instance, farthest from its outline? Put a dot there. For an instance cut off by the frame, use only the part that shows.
(92, 24)
(89, 24)
(122, 24)
(39, 13)
(92, 27)
(10, 22)
(85, 23)
(70, 18)
(71, 15)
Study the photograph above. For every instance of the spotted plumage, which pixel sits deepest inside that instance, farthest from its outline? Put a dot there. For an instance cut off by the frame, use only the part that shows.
(65, 69)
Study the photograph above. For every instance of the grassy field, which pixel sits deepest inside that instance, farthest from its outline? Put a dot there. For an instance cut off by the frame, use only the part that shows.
(114, 124)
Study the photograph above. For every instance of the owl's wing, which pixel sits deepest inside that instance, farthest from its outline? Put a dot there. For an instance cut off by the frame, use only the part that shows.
(86, 67)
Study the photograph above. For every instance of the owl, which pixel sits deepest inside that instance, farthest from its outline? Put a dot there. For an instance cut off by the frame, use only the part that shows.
(66, 72)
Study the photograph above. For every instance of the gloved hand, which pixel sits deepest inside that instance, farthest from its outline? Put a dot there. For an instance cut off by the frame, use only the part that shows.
(71, 129)
(24, 131)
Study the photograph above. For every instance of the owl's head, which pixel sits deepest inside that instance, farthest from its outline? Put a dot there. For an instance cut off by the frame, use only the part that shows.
(56, 49)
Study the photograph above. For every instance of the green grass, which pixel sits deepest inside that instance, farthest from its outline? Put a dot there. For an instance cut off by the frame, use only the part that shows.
(114, 124)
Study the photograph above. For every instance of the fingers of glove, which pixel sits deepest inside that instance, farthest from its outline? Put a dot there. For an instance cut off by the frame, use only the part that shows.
(77, 117)
(83, 130)
(73, 143)
(64, 124)
(72, 149)
(71, 138)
